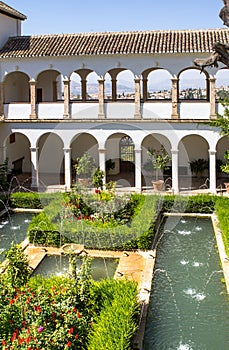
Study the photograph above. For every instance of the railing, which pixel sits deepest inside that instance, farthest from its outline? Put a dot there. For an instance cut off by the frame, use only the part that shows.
(112, 110)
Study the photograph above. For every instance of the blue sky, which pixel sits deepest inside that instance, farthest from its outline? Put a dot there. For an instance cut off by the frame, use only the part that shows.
(74, 16)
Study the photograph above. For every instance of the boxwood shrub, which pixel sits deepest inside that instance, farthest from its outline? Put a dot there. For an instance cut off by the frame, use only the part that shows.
(31, 200)
(204, 204)
(136, 234)
(116, 324)
(222, 212)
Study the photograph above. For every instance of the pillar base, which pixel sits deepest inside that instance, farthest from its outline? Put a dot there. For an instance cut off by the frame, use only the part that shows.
(137, 116)
(101, 116)
(33, 116)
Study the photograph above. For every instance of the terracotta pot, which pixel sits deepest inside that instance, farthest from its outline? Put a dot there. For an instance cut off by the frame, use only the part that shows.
(158, 185)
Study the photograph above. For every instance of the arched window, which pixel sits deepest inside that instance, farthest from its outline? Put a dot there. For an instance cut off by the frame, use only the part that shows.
(126, 149)
(192, 85)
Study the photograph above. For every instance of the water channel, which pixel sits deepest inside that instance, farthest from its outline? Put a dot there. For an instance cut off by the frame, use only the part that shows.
(13, 228)
(189, 308)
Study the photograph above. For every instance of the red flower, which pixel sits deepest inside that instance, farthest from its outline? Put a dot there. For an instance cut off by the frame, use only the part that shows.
(11, 301)
(76, 336)
(97, 191)
(71, 330)
(3, 342)
(14, 336)
(20, 340)
(69, 344)
(78, 315)
(28, 340)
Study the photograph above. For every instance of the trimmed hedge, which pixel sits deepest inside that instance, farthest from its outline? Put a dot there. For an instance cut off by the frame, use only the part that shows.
(204, 204)
(116, 324)
(31, 200)
(222, 212)
(136, 234)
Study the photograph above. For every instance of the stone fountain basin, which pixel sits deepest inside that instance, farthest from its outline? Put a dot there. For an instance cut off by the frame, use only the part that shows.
(72, 248)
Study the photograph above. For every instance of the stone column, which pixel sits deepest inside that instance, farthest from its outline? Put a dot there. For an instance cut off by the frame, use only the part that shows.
(34, 165)
(145, 89)
(66, 98)
(67, 168)
(175, 180)
(101, 98)
(212, 98)
(138, 169)
(84, 89)
(1, 100)
(114, 89)
(175, 88)
(33, 97)
(2, 154)
(212, 170)
(102, 162)
(137, 97)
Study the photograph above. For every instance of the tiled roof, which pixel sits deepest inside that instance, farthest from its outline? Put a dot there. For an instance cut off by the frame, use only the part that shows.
(9, 11)
(109, 43)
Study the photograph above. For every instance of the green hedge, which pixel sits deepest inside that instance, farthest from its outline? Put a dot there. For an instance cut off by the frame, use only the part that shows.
(222, 212)
(116, 324)
(136, 234)
(31, 200)
(204, 204)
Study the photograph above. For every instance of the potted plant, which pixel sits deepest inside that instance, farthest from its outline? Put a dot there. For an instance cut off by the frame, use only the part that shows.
(158, 160)
(198, 166)
(110, 165)
(84, 167)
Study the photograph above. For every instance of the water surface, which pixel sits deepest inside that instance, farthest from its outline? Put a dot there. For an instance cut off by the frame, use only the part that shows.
(189, 307)
(13, 228)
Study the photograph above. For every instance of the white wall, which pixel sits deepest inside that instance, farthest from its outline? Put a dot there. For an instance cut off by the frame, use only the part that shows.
(8, 27)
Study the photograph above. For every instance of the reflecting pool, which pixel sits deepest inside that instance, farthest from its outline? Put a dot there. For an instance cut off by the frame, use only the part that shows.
(101, 268)
(189, 308)
(13, 228)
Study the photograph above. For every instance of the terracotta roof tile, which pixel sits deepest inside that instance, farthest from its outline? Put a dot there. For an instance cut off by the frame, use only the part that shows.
(111, 43)
(10, 11)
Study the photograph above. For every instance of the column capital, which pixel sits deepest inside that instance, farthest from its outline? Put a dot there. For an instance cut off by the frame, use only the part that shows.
(34, 149)
(211, 152)
(66, 149)
(174, 151)
(32, 82)
(102, 150)
(137, 79)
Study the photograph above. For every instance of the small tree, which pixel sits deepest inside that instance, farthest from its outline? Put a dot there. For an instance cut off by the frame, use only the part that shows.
(158, 160)
(85, 165)
(97, 178)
